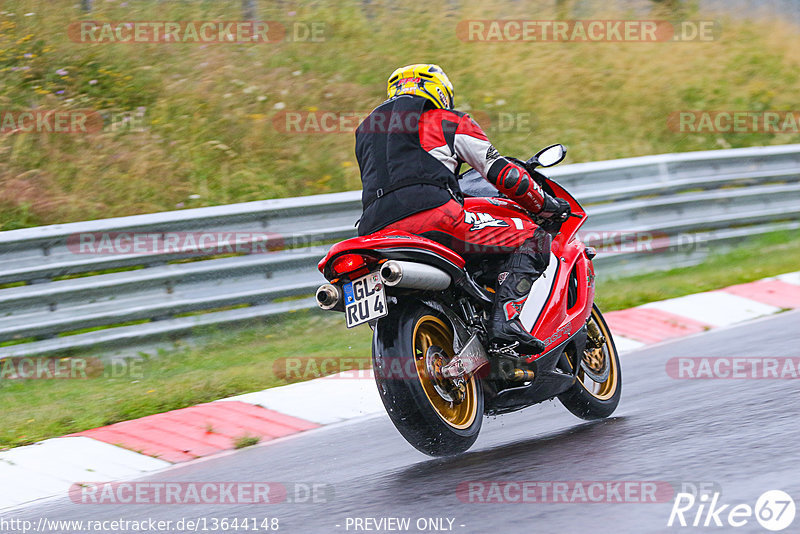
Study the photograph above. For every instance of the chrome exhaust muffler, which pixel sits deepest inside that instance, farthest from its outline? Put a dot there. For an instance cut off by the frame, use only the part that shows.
(328, 296)
(410, 275)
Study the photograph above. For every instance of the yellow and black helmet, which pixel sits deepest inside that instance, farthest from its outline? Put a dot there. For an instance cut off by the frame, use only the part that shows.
(425, 80)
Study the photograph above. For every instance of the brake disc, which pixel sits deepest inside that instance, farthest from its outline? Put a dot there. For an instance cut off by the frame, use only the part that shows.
(596, 364)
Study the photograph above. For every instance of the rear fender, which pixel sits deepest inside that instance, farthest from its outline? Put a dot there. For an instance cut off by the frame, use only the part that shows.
(397, 245)
(380, 242)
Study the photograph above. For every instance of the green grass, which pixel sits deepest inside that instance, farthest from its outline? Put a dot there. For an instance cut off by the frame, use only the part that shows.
(769, 255)
(208, 111)
(245, 441)
(299, 346)
(233, 363)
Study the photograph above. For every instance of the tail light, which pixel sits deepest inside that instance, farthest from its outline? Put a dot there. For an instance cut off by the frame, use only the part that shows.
(348, 263)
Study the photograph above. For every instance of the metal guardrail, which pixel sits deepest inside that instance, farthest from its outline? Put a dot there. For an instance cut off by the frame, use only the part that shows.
(53, 293)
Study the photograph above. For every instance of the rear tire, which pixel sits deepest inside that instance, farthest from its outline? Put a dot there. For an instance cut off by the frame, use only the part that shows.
(417, 403)
(590, 399)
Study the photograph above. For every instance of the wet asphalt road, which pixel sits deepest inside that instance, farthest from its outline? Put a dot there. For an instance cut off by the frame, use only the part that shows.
(740, 437)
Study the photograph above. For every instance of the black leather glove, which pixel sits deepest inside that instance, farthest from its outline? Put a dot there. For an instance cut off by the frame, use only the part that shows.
(555, 211)
(564, 210)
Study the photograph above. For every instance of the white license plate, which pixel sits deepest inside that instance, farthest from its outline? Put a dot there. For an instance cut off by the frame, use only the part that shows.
(364, 300)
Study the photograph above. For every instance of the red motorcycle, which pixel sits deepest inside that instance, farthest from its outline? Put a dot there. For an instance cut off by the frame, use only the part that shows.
(429, 307)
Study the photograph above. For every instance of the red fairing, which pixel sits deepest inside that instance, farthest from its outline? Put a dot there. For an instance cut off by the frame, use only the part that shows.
(572, 224)
(557, 323)
(391, 239)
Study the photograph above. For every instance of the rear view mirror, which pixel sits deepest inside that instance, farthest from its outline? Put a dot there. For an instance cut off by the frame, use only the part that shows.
(547, 157)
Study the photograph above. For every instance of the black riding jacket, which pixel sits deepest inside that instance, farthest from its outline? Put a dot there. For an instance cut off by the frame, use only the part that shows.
(409, 154)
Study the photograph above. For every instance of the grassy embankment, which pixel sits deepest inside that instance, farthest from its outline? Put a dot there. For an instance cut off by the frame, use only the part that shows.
(208, 137)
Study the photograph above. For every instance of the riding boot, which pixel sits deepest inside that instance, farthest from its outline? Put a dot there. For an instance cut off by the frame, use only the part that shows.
(523, 267)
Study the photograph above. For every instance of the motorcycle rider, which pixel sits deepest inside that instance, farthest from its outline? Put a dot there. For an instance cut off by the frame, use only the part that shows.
(409, 151)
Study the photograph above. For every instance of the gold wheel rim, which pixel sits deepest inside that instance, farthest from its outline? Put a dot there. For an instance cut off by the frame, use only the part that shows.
(428, 332)
(601, 390)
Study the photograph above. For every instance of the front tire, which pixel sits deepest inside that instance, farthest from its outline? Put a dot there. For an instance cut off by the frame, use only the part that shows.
(436, 416)
(598, 388)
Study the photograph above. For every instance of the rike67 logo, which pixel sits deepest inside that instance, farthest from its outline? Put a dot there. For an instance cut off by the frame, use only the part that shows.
(774, 510)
